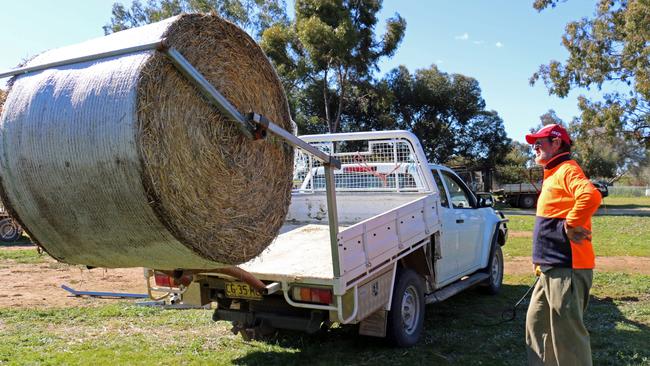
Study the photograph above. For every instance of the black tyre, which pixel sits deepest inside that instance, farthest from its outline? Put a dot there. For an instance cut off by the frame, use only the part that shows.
(406, 315)
(512, 202)
(527, 201)
(492, 285)
(9, 230)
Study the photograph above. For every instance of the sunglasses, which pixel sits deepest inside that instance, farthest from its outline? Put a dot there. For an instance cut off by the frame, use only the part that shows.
(538, 142)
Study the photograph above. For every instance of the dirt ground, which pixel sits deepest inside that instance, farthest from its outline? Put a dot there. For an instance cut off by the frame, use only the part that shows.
(39, 285)
(638, 265)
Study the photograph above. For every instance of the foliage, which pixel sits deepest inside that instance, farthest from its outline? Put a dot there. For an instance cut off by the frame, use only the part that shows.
(329, 47)
(447, 113)
(326, 57)
(549, 118)
(252, 15)
(601, 155)
(516, 164)
(610, 49)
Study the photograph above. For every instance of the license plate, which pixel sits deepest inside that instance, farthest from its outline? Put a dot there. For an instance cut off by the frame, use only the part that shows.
(240, 290)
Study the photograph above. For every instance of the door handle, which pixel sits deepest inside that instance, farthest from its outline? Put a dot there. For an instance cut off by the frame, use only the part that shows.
(460, 221)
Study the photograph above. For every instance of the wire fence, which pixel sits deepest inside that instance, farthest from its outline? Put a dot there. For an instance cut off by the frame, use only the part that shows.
(629, 191)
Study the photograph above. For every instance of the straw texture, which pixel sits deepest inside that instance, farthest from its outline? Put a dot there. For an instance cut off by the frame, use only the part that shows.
(120, 162)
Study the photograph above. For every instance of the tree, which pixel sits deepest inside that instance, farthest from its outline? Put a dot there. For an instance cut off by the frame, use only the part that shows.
(330, 45)
(605, 155)
(550, 118)
(254, 16)
(448, 115)
(613, 49)
(515, 165)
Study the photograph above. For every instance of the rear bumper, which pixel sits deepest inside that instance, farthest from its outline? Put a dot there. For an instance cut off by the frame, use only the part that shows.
(310, 322)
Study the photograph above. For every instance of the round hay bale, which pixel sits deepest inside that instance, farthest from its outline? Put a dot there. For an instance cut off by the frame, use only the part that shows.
(120, 162)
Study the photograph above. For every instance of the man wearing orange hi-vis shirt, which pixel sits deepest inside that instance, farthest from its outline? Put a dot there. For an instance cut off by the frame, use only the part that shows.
(562, 254)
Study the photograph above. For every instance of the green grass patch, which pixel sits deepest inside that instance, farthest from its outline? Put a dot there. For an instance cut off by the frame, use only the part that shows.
(23, 256)
(612, 235)
(613, 202)
(459, 331)
(626, 202)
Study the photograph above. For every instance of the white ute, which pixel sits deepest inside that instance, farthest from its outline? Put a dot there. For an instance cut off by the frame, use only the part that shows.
(397, 233)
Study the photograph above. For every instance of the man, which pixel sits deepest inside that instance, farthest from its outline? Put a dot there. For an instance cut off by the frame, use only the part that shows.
(562, 254)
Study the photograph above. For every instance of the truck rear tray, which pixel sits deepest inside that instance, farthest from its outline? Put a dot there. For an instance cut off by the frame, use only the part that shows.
(300, 251)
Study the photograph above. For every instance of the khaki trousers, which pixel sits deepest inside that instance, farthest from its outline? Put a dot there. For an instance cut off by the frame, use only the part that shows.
(555, 331)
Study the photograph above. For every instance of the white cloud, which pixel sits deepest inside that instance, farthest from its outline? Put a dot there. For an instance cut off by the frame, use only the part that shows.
(440, 62)
(478, 42)
(463, 37)
(499, 44)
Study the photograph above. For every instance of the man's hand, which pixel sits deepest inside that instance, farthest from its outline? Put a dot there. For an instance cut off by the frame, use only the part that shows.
(577, 234)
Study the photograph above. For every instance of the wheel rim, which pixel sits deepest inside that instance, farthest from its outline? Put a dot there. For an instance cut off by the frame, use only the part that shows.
(496, 269)
(528, 202)
(7, 231)
(410, 309)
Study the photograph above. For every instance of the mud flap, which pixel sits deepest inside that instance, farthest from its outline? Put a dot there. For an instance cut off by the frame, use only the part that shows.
(375, 324)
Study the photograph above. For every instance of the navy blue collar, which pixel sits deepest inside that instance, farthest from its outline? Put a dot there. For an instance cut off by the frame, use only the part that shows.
(557, 160)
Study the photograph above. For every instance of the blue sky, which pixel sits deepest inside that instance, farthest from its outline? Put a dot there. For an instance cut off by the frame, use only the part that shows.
(500, 43)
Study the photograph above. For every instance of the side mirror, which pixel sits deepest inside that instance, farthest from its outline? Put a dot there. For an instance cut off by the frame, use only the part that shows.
(485, 200)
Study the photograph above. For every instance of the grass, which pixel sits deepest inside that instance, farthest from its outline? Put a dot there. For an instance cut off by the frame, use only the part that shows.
(457, 332)
(626, 202)
(23, 256)
(612, 235)
(613, 202)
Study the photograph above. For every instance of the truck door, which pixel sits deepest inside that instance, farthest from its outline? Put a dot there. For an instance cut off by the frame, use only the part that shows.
(469, 220)
(446, 267)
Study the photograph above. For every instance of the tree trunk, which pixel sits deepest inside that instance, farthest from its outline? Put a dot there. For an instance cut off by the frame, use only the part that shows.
(327, 103)
(342, 76)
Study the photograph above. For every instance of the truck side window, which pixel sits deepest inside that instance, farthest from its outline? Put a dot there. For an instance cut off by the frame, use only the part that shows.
(460, 197)
(441, 188)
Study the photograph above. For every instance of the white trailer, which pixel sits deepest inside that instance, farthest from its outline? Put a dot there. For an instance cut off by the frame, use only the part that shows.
(395, 234)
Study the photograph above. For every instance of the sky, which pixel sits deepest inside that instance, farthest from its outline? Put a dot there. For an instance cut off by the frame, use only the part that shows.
(498, 42)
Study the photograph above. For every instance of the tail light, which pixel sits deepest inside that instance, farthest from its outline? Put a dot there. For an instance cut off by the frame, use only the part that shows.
(312, 294)
(165, 280)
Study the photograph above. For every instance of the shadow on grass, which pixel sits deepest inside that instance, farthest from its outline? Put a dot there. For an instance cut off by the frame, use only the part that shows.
(464, 330)
(615, 338)
(23, 241)
(451, 336)
(626, 206)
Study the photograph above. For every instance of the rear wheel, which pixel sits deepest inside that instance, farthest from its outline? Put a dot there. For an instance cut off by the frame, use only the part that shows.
(406, 316)
(9, 230)
(527, 201)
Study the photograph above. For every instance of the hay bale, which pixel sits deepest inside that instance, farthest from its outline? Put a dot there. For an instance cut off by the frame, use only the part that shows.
(120, 162)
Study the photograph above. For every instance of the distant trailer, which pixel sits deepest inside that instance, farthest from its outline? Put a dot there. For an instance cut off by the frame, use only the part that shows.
(10, 231)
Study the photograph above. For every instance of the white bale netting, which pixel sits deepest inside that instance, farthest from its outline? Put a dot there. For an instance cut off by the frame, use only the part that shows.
(120, 162)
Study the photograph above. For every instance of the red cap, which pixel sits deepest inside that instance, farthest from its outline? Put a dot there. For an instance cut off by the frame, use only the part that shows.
(550, 131)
